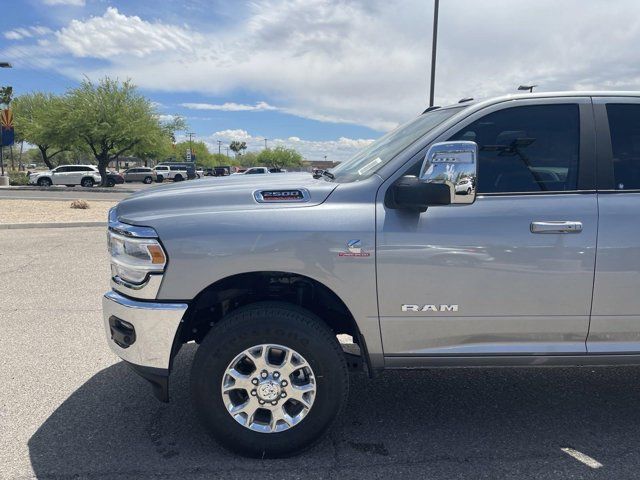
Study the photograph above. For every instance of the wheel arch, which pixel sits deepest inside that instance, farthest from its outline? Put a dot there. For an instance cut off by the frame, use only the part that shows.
(230, 293)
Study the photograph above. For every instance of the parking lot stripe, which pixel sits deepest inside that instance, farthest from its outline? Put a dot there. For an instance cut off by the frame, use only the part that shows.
(581, 457)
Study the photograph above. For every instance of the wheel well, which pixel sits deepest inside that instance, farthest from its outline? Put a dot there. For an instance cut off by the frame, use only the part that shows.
(226, 295)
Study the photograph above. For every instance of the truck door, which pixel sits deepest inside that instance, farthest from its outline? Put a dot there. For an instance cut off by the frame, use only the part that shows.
(615, 321)
(513, 272)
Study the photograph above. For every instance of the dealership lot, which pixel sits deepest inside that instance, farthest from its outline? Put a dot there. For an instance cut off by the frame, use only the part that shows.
(69, 408)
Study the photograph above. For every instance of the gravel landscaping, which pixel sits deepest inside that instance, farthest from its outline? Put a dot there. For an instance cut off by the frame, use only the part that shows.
(45, 211)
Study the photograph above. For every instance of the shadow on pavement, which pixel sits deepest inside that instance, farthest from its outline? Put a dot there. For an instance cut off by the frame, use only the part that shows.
(434, 424)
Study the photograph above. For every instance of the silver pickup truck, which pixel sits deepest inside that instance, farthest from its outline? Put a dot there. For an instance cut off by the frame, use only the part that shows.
(497, 233)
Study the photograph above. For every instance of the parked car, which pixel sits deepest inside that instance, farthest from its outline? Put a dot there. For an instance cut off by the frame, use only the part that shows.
(385, 249)
(464, 186)
(140, 174)
(69, 175)
(220, 171)
(178, 171)
(114, 178)
(253, 171)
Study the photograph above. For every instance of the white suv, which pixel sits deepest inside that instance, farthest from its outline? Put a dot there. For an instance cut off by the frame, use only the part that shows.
(69, 175)
(176, 173)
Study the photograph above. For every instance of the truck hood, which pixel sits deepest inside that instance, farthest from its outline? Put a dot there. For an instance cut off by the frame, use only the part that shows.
(235, 192)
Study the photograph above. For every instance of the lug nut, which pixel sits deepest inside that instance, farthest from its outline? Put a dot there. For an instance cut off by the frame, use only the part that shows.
(283, 394)
(264, 374)
(261, 402)
(284, 383)
(276, 374)
(253, 392)
(274, 403)
(255, 381)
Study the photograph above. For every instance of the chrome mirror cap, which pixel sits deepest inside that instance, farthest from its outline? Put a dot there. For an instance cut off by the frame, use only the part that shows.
(455, 165)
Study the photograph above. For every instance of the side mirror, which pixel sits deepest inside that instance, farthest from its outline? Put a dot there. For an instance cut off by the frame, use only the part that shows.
(447, 176)
(453, 164)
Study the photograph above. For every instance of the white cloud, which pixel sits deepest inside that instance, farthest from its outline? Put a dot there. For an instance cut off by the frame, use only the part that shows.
(230, 107)
(22, 33)
(366, 61)
(114, 34)
(335, 150)
(75, 3)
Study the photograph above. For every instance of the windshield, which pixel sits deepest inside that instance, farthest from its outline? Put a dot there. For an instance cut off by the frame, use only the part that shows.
(369, 160)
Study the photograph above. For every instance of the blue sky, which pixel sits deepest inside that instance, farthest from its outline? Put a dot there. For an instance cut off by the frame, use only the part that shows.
(230, 110)
(323, 76)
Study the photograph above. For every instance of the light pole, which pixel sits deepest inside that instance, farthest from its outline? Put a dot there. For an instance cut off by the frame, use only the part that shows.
(434, 44)
(265, 143)
(527, 87)
(219, 146)
(2, 65)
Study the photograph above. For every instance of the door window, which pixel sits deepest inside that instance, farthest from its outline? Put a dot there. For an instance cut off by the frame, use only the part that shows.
(624, 125)
(531, 148)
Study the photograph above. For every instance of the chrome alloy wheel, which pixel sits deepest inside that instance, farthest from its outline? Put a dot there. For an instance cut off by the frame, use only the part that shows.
(268, 388)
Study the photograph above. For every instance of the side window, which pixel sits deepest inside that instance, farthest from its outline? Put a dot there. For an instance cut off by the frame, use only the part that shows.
(63, 169)
(527, 149)
(624, 125)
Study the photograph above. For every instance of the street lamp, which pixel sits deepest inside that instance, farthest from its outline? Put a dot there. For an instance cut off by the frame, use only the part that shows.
(434, 44)
(527, 88)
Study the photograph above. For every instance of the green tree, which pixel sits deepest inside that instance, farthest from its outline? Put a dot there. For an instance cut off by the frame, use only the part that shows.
(249, 159)
(37, 120)
(237, 147)
(280, 157)
(202, 153)
(162, 147)
(112, 119)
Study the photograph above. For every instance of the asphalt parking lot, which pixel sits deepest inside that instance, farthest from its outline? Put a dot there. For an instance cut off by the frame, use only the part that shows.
(70, 409)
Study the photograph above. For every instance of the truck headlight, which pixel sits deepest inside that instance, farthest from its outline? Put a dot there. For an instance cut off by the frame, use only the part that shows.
(132, 259)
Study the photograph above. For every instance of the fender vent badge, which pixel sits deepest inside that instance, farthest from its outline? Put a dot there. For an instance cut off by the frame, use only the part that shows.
(290, 195)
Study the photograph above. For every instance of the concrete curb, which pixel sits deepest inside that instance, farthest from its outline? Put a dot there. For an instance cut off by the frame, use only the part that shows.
(18, 226)
(66, 189)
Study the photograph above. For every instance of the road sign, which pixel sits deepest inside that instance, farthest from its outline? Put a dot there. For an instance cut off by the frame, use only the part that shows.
(6, 118)
(6, 128)
(188, 154)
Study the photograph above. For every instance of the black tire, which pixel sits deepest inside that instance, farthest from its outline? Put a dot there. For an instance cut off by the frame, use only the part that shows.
(44, 182)
(159, 179)
(282, 324)
(87, 182)
(147, 180)
(177, 178)
(111, 182)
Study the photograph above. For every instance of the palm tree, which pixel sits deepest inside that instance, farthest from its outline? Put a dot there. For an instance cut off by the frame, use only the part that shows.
(238, 147)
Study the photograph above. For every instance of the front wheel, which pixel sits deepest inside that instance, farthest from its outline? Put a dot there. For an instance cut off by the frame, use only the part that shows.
(159, 179)
(177, 178)
(147, 180)
(87, 182)
(269, 379)
(111, 182)
(44, 182)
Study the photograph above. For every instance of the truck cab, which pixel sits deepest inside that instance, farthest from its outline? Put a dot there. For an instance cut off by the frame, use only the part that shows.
(467, 237)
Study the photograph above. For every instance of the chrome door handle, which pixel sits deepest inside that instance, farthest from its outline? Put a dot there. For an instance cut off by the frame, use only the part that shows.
(556, 227)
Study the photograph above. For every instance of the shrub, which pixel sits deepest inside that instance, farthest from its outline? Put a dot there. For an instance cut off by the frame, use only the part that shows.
(18, 178)
(80, 204)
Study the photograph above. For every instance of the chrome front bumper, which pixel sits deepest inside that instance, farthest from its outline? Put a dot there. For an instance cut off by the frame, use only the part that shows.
(141, 332)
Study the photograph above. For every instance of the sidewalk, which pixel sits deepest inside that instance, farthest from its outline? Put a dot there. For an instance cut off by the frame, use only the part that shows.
(62, 188)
